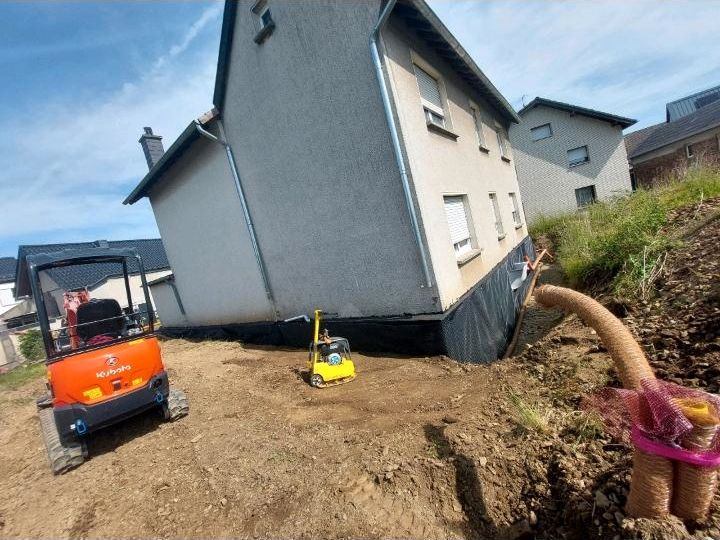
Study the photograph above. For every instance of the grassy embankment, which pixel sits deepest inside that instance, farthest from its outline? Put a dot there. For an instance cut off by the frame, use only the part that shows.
(621, 244)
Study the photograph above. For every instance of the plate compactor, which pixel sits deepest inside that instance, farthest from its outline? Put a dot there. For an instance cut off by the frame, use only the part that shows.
(329, 361)
(103, 361)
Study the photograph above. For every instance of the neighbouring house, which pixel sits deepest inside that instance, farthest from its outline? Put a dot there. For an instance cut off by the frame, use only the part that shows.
(689, 104)
(357, 161)
(667, 150)
(568, 157)
(7, 285)
(102, 280)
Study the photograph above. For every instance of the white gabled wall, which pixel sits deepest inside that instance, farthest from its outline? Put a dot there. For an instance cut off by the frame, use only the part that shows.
(547, 183)
(198, 212)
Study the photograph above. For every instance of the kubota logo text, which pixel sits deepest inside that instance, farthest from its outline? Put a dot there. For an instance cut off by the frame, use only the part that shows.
(111, 372)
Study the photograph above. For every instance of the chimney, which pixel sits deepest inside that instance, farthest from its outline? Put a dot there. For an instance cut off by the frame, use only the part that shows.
(152, 147)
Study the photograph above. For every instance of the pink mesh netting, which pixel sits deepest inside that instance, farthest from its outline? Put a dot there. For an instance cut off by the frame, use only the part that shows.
(654, 410)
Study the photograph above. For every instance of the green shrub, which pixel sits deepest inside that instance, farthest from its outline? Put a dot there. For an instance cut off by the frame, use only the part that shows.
(31, 345)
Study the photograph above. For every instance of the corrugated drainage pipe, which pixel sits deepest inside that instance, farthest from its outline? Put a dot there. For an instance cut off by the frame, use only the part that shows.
(652, 477)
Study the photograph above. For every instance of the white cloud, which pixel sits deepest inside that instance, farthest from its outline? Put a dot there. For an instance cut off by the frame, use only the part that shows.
(66, 169)
(628, 58)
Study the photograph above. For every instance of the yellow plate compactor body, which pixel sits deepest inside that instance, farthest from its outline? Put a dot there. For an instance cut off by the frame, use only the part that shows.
(329, 361)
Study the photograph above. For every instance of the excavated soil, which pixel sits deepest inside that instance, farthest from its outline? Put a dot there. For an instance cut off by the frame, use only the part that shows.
(413, 448)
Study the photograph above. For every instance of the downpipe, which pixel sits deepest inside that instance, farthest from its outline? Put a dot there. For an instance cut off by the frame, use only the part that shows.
(243, 203)
(385, 93)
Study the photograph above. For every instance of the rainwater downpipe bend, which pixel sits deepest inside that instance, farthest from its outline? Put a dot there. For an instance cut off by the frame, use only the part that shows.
(385, 93)
(245, 210)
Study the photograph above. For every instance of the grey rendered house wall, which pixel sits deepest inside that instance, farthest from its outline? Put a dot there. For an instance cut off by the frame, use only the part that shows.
(547, 183)
(304, 115)
(198, 212)
(442, 166)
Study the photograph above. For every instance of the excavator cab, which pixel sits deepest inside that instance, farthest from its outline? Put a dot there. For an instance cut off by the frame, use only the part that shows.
(103, 358)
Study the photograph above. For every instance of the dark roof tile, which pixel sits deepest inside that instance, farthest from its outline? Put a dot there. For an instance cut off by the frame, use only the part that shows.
(592, 113)
(7, 269)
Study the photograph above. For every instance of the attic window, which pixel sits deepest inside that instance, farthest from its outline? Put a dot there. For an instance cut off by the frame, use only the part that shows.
(263, 20)
(541, 132)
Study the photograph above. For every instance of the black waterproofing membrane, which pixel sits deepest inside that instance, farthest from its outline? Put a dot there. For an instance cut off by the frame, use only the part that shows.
(475, 329)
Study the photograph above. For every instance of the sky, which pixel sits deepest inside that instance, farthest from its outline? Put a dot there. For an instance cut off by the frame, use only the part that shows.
(79, 80)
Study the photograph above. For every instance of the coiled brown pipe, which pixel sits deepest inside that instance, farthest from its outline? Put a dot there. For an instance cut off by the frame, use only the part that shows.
(629, 358)
(652, 477)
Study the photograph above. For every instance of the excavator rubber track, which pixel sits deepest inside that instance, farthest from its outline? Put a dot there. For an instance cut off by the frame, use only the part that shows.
(177, 405)
(62, 456)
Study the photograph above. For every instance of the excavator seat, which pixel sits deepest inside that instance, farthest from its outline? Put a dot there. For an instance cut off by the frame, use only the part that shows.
(100, 317)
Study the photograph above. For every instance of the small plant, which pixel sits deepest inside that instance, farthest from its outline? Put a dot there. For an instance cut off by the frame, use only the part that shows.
(525, 415)
(584, 426)
(31, 345)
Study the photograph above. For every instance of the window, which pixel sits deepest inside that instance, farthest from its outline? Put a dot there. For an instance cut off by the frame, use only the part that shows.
(585, 196)
(689, 150)
(517, 219)
(541, 132)
(263, 20)
(477, 121)
(578, 156)
(430, 97)
(456, 213)
(498, 220)
(502, 142)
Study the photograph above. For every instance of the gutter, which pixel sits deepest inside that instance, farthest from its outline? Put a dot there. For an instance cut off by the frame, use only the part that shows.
(243, 202)
(385, 93)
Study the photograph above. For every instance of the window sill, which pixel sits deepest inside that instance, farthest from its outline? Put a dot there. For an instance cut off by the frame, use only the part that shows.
(264, 32)
(442, 131)
(483, 149)
(519, 225)
(462, 261)
(573, 165)
(505, 159)
(501, 237)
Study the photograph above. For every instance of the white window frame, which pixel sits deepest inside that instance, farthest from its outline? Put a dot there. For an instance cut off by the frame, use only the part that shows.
(535, 130)
(502, 141)
(577, 163)
(464, 246)
(479, 124)
(499, 228)
(437, 115)
(689, 151)
(517, 218)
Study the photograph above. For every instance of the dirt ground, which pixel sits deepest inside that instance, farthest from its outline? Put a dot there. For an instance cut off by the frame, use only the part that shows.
(413, 448)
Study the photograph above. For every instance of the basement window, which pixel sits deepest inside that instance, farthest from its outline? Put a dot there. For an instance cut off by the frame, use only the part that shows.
(585, 196)
(689, 150)
(263, 20)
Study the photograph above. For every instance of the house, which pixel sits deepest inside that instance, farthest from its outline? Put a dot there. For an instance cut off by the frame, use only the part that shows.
(689, 104)
(7, 284)
(669, 149)
(102, 280)
(356, 160)
(568, 156)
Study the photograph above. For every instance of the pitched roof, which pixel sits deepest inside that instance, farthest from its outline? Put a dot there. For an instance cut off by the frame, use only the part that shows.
(574, 109)
(71, 277)
(689, 104)
(7, 269)
(703, 119)
(422, 18)
(634, 139)
(182, 143)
